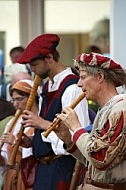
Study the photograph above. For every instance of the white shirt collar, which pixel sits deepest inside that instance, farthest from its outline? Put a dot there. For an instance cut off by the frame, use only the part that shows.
(58, 79)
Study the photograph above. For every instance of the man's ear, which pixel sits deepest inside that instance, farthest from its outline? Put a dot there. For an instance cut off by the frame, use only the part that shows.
(50, 56)
(101, 76)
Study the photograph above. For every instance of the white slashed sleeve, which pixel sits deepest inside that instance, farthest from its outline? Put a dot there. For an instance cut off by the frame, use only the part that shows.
(71, 93)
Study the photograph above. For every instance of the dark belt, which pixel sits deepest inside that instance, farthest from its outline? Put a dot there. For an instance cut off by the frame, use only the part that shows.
(115, 186)
(48, 159)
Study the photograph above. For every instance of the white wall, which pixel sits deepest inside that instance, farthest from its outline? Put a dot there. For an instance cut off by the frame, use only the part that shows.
(9, 23)
(64, 16)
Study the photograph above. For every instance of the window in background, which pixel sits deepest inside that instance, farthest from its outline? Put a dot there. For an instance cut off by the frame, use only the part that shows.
(2, 53)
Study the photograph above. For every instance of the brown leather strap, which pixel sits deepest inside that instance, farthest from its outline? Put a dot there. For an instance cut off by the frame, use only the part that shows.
(101, 185)
(116, 186)
(48, 159)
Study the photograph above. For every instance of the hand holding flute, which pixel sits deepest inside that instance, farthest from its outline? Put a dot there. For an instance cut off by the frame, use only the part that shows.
(15, 118)
(69, 122)
(61, 116)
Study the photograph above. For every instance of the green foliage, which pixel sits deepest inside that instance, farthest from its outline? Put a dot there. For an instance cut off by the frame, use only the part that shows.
(93, 105)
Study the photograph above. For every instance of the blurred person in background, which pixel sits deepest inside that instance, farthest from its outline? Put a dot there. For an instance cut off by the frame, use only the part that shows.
(12, 73)
(92, 48)
(15, 53)
(7, 110)
(100, 36)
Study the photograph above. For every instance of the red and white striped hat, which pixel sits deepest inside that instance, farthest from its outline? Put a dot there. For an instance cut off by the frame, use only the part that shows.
(95, 60)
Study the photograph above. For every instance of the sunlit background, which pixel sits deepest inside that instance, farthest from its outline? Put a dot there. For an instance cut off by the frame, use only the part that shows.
(71, 19)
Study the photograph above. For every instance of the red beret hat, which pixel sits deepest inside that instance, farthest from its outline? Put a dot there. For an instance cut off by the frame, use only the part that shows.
(96, 60)
(39, 47)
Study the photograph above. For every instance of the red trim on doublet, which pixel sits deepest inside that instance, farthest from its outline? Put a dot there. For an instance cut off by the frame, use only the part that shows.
(73, 149)
(78, 133)
(100, 155)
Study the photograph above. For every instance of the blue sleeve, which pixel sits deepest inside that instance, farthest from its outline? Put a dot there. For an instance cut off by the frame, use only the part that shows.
(89, 128)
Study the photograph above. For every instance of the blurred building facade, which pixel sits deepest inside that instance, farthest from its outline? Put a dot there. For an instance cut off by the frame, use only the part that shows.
(72, 20)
